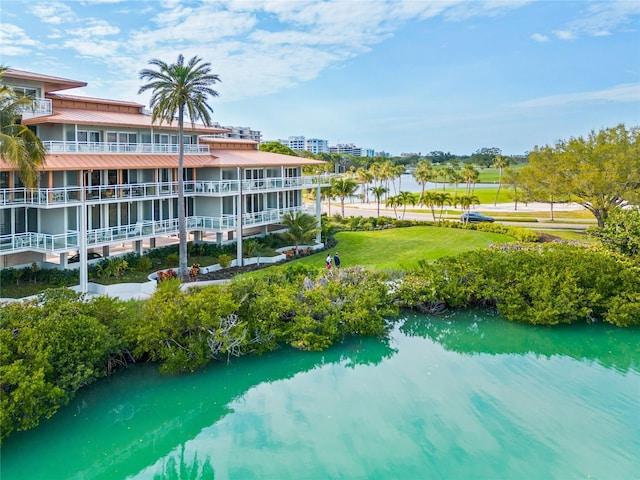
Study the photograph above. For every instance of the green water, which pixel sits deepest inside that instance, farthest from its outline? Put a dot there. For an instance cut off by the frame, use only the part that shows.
(461, 397)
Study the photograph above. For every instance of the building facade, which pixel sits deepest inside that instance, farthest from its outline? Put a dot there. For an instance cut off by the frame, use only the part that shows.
(110, 178)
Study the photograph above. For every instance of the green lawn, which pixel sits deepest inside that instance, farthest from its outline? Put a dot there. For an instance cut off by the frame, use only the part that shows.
(403, 248)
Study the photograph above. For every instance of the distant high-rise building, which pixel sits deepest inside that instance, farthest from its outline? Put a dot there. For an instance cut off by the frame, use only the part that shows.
(317, 145)
(239, 133)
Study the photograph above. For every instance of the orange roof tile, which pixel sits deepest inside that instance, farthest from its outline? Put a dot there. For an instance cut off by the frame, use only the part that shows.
(113, 119)
(218, 158)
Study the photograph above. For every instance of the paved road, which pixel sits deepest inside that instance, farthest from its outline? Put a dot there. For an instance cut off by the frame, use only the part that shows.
(352, 210)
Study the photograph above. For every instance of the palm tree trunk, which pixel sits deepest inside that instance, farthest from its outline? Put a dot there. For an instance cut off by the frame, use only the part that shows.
(182, 219)
(495, 202)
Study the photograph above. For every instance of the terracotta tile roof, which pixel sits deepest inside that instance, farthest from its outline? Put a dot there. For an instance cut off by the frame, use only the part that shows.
(113, 119)
(218, 158)
(256, 158)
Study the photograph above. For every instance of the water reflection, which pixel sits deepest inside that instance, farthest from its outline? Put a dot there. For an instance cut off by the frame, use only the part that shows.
(122, 424)
(469, 332)
(464, 396)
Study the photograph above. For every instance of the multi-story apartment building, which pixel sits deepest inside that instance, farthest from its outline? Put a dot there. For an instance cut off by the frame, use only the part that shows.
(317, 145)
(347, 149)
(110, 178)
(242, 133)
(299, 143)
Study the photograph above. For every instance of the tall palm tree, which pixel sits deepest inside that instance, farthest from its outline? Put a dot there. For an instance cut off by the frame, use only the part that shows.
(19, 146)
(423, 173)
(365, 177)
(301, 227)
(177, 89)
(394, 202)
(326, 193)
(466, 201)
(430, 199)
(442, 199)
(342, 188)
(469, 173)
(500, 162)
(406, 198)
(378, 192)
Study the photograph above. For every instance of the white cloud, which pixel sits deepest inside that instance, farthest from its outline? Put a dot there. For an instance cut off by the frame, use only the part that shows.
(600, 19)
(564, 34)
(99, 49)
(95, 28)
(626, 93)
(538, 37)
(14, 41)
(53, 12)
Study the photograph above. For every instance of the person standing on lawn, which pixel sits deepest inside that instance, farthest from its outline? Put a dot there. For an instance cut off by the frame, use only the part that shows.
(336, 260)
(328, 260)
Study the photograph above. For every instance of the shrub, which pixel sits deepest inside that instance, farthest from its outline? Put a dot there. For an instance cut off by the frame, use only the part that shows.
(173, 259)
(225, 260)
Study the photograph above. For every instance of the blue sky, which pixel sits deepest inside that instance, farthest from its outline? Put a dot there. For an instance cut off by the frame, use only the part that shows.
(392, 75)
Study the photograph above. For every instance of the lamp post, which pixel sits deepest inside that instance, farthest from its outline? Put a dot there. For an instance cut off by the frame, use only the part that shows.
(84, 267)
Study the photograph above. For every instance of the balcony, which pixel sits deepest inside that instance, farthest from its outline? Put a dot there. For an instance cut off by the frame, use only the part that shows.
(108, 147)
(59, 196)
(57, 243)
(41, 107)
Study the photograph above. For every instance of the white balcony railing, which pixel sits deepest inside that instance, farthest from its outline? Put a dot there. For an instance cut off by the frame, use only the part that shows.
(109, 147)
(50, 243)
(143, 191)
(41, 106)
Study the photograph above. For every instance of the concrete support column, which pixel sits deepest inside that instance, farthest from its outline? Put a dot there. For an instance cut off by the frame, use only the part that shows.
(152, 243)
(137, 247)
(63, 259)
(239, 256)
(105, 251)
(197, 236)
(319, 213)
(218, 237)
(229, 235)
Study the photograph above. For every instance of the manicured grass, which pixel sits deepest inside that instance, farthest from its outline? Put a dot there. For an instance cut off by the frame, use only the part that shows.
(403, 248)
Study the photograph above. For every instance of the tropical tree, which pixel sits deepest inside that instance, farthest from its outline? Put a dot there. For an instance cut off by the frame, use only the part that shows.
(470, 175)
(251, 247)
(378, 192)
(394, 202)
(365, 177)
(277, 147)
(441, 199)
(442, 175)
(301, 227)
(19, 146)
(429, 200)
(542, 179)
(423, 173)
(326, 193)
(512, 177)
(601, 171)
(396, 173)
(500, 162)
(178, 89)
(466, 201)
(343, 187)
(406, 198)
